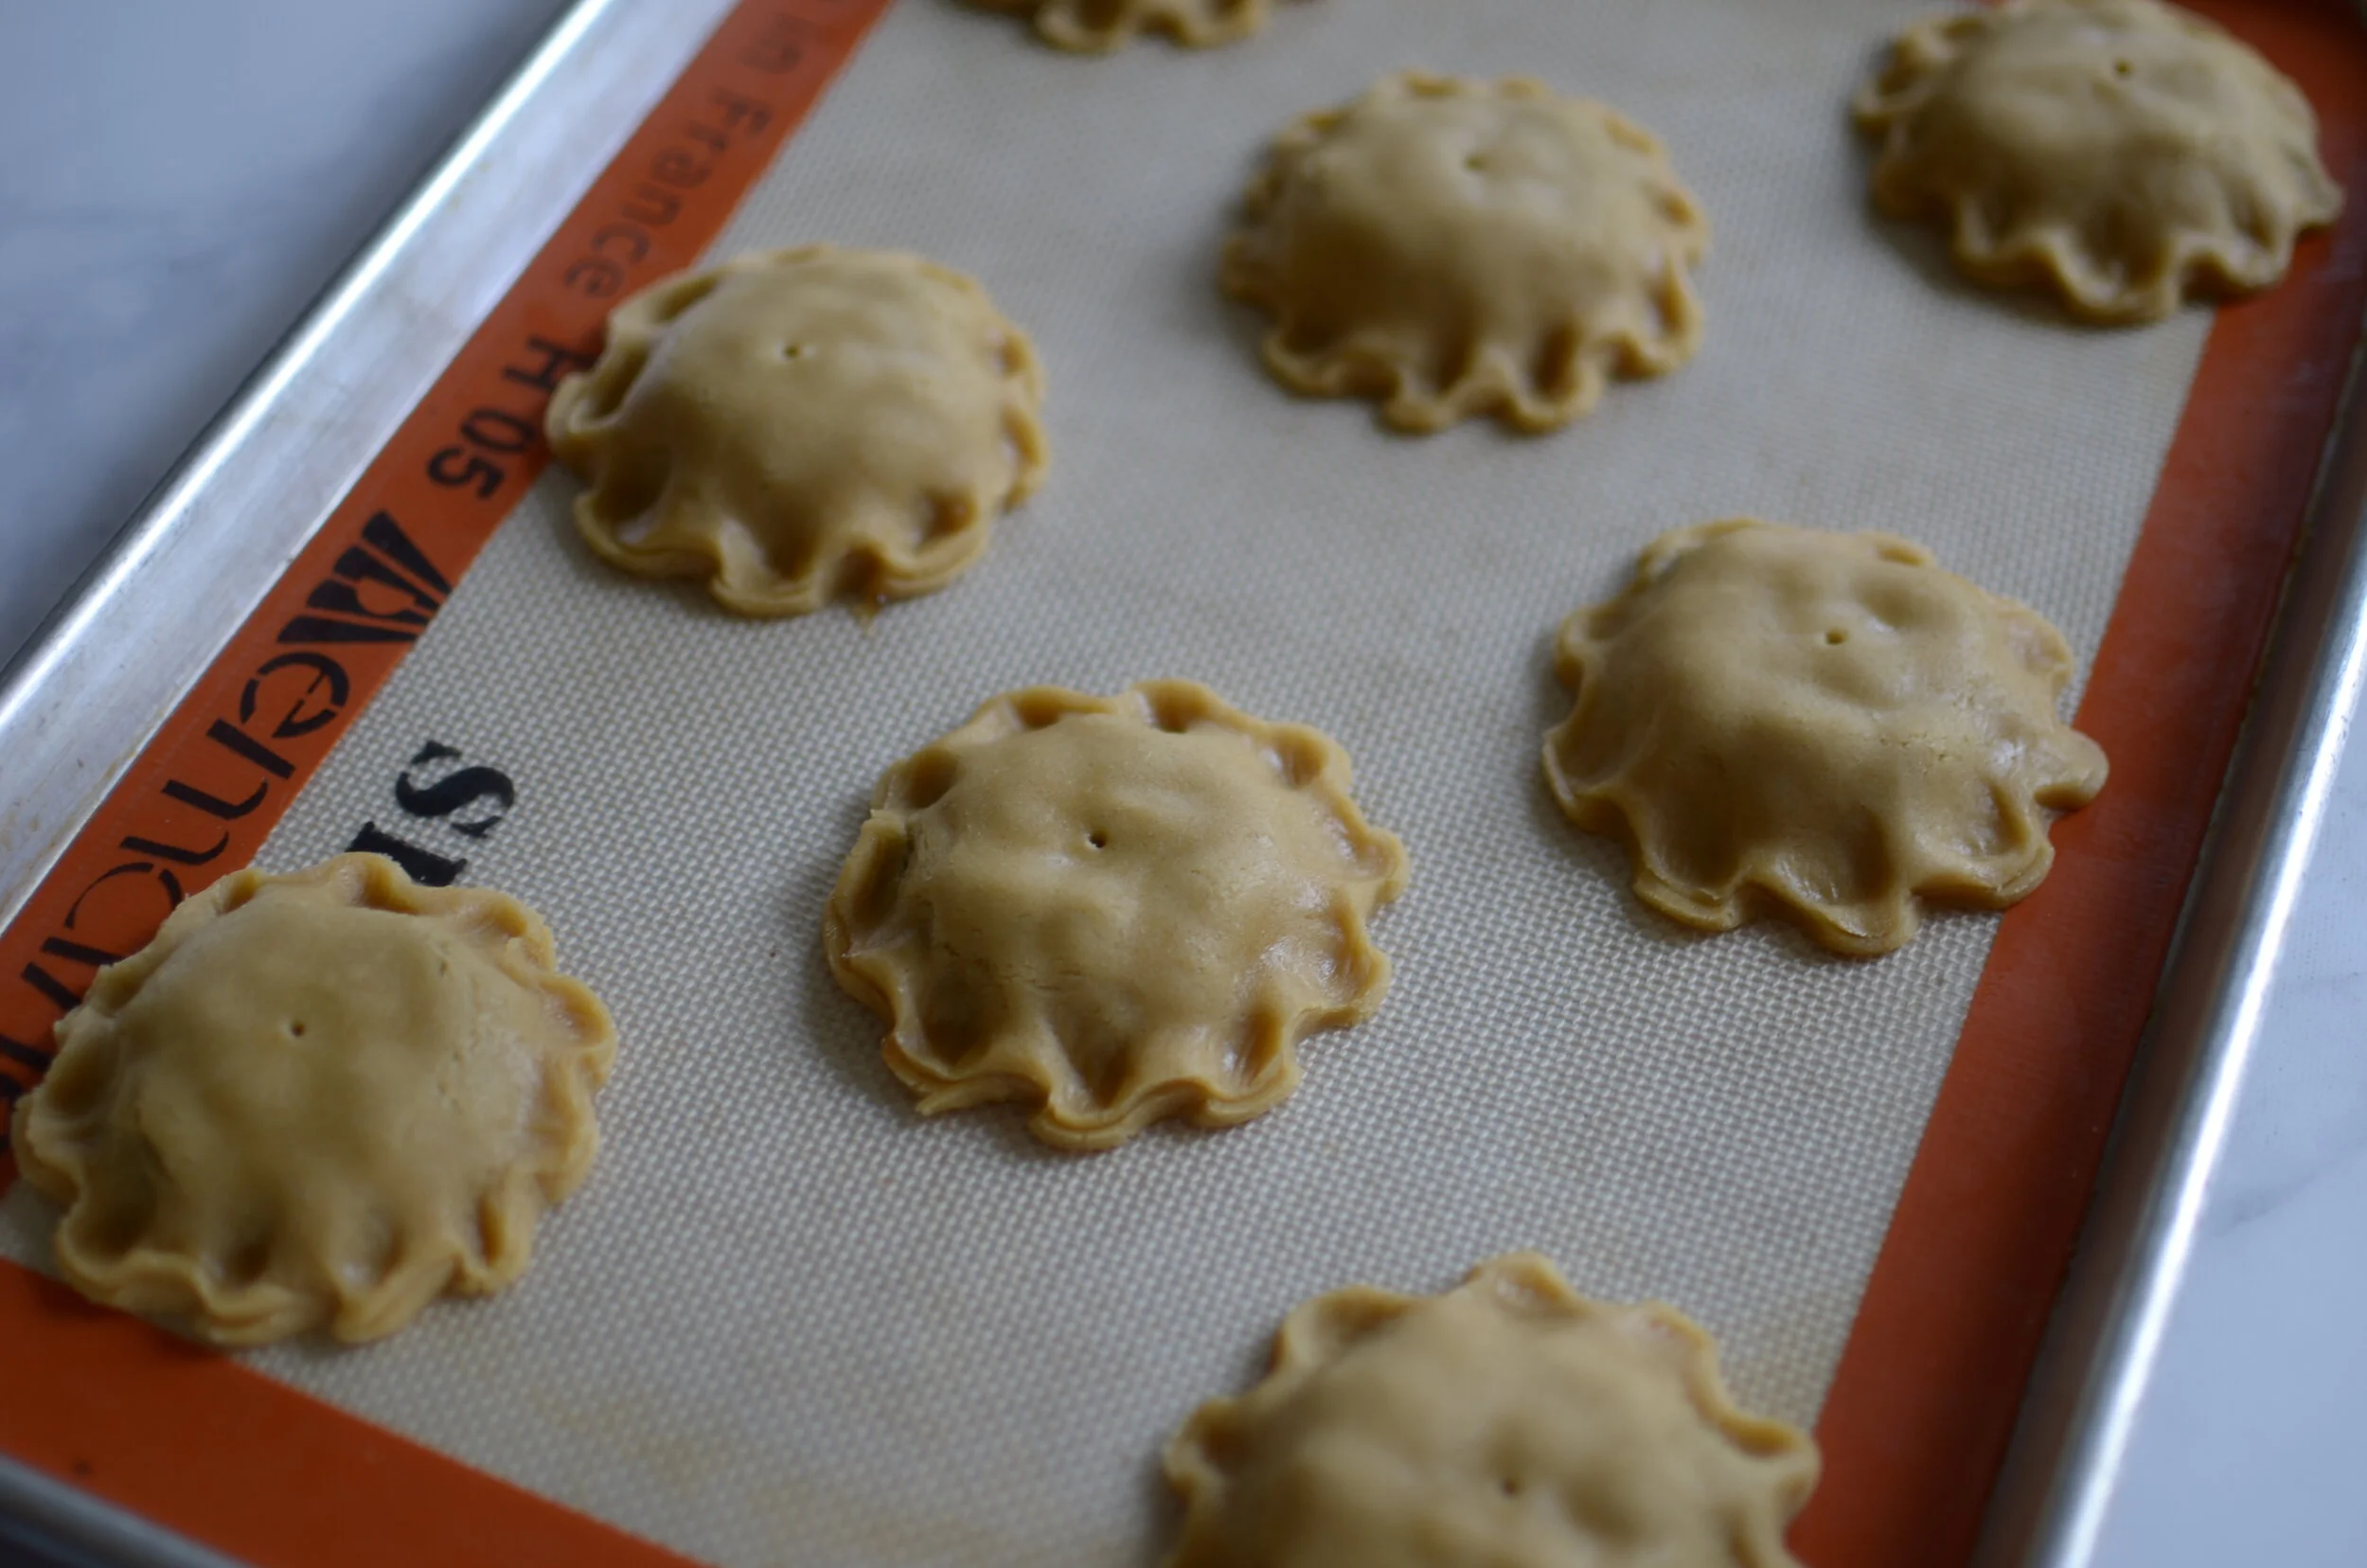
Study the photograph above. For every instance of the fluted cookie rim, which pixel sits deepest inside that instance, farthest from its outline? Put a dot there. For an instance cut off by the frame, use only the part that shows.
(516, 942)
(1317, 763)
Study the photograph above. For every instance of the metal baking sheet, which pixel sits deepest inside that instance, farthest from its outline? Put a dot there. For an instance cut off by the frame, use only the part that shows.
(785, 1318)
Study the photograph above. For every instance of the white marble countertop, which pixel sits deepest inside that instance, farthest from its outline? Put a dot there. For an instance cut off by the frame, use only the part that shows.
(2251, 1448)
(183, 179)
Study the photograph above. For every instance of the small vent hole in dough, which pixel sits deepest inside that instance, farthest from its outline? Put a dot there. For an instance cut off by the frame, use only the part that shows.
(1458, 248)
(989, 914)
(865, 456)
(438, 1104)
(2125, 153)
(1753, 752)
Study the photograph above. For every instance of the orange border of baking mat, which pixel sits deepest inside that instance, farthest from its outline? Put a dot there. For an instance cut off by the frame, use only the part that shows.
(1917, 1419)
(193, 1440)
(1931, 1378)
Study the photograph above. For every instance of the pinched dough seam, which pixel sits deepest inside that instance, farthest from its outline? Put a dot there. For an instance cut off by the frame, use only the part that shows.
(162, 1281)
(2042, 251)
(1194, 24)
(1070, 1113)
(1864, 929)
(888, 567)
(1319, 1331)
(1493, 379)
(2032, 251)
(1867, 928)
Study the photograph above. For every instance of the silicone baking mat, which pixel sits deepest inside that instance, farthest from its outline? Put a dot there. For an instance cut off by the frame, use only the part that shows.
(788, 1321)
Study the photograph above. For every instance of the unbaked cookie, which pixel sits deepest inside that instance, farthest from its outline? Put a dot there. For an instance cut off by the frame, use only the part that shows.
(1458, 248)
(1117, 908)
(1509, 1421)
(1096, 26)
(1826, 719)
(802, 424)
(316, 1100)
(2121, 149)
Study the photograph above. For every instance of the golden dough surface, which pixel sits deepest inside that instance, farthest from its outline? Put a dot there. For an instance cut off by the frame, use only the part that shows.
(1828, 721)
(1461, 248)
(316, 1100)
(2125, 151)
(1118, 909)
(796, 425)
(1509, 1421)
(1098, 26)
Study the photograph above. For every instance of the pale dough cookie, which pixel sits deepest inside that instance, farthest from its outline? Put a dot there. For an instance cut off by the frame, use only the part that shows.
(1098, 26)
(1459, 248)
(802, 424)
(316, 1100)
(1117, 908)
(2122, 150)
(1510, 1422)
(1826, 719)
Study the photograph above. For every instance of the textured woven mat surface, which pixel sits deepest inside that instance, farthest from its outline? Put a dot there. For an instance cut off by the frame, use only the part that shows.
(788, 1321)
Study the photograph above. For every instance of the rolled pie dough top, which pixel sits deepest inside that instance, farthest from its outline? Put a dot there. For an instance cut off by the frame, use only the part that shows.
(316, 1100)
(1460, 248)
(1117, 908)
(2121, 149)
(1096, 26)
(1510, 1422)
(793, 425)
(1826, 719)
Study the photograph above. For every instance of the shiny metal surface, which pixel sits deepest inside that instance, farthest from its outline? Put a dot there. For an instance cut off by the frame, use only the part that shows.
(43, 1525)
(76, 706)
(92, 686)
(2090, 1394)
